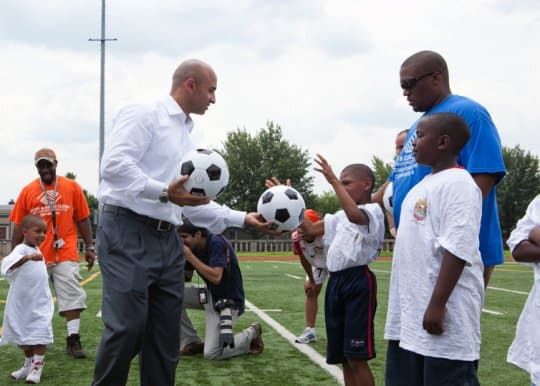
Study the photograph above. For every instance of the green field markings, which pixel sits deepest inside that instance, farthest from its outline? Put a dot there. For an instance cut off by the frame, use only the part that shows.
(267, 287)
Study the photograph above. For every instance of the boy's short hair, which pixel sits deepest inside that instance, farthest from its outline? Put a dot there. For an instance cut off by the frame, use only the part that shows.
(189, 228)
(31, 220)
(360, 171)
(452, 125)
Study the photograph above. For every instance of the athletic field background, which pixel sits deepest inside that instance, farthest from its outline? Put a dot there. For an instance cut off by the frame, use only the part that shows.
(274, 291)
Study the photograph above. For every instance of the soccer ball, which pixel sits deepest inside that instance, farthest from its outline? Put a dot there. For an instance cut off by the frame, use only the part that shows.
(282, 205)
(208, 173)
(388, 201)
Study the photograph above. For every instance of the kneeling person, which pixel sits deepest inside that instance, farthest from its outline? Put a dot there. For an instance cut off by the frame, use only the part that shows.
(214, 259)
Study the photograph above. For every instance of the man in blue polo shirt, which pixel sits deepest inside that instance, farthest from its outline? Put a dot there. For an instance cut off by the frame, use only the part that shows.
(425, 84)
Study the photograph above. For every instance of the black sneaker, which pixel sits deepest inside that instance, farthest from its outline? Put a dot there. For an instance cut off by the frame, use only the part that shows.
(74, 347)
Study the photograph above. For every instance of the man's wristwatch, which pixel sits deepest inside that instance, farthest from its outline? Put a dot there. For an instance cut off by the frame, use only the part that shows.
(164, 196)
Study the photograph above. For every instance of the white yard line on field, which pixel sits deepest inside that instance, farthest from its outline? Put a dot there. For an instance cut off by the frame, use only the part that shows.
(508, 290)
(491, 312)
(294, 276)
(313, 355)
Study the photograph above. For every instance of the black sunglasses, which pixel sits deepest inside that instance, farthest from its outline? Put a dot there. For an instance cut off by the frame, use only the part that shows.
(409, 84)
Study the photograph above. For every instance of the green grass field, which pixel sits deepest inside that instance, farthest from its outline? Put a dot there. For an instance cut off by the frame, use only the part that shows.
(277, 288)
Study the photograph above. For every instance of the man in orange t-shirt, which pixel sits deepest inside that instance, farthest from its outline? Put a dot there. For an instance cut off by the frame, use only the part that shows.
(62, 204)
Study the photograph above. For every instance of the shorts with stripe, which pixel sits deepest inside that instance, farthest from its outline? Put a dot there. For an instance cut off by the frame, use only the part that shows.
(350, 304)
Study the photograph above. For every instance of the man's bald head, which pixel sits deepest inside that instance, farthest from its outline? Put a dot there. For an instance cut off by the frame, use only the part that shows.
(194, 85)
(191, 68)
(427, 62)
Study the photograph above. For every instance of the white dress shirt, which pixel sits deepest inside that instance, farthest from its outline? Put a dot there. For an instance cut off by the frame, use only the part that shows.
(142, 156)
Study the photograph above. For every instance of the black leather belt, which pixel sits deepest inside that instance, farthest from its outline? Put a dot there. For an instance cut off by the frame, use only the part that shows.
(158, 225)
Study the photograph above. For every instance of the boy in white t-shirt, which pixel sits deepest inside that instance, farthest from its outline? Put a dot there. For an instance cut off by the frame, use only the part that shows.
(524, 242)
(353, 236)
(312, 254)
(29, 306)
(436, 286)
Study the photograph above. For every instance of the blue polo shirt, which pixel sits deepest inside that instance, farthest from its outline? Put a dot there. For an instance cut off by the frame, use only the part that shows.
(481, 155)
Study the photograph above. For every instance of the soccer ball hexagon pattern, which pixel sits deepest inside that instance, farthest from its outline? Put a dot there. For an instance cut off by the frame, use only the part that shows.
(388, 198)
(283, 206)
(208, 173)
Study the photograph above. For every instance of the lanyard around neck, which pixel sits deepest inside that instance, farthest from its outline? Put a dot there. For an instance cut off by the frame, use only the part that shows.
(51, 203)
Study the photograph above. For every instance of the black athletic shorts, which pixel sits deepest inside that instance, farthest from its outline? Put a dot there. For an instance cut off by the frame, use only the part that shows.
(405, 368)
(350, 304)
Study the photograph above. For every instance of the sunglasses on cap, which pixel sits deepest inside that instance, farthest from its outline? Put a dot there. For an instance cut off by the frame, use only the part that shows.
(409, 84)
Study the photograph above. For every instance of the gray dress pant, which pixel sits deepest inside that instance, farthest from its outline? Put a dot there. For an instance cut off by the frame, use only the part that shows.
(143, 286)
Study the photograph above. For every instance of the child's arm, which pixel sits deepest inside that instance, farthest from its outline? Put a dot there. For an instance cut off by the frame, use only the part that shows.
(528, 251)
(451, 269)
(354, 214)
(24, 259)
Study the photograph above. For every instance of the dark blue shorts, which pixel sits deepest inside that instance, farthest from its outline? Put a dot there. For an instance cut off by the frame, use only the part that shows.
(350, 304)
(406, 368)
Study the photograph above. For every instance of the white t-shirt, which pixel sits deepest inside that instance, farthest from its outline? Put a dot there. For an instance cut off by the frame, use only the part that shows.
(525, 349)
(29, 306)
(351, 245)
(442, 212)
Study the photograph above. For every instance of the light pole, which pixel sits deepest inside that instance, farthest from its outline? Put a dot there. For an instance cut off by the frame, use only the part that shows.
(102, 40)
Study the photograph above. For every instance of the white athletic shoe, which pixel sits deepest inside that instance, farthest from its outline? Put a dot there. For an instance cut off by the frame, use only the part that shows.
(22, 372)
(307, 336)
(35, 373)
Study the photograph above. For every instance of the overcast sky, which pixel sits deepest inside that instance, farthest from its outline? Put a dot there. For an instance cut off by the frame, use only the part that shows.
(325, 70)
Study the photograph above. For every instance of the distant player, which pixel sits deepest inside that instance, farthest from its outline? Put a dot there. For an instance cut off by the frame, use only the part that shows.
(312, 254)
(29, 307)
(389, 186)
(524, 242)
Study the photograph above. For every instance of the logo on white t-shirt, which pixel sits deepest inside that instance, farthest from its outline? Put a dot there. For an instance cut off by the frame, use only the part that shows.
(420, 209)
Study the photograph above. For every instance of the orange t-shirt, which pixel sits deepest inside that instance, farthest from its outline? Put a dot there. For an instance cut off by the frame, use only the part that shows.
(71, 207)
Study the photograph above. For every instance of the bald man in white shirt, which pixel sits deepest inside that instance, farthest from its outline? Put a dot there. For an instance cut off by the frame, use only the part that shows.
(143, 199)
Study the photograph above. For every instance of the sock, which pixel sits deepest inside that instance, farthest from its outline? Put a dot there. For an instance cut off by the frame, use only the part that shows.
(73, 326)
(38, 359)
(27, 361)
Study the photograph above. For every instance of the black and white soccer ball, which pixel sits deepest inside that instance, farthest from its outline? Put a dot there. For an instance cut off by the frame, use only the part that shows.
(388, 198)
(208, 173)
(283, 206)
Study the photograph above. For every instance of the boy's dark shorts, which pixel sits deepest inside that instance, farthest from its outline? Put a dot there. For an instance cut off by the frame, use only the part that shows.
(406, 368)
(350, 304)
